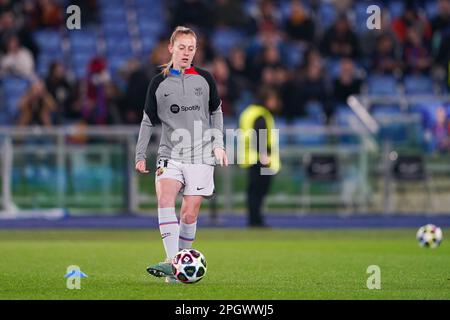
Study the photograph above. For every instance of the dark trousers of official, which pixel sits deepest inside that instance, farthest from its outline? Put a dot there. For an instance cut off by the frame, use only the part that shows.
(258, 187)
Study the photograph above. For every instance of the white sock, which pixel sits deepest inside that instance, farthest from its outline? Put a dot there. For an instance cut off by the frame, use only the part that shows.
(187, 235)
(170, 230)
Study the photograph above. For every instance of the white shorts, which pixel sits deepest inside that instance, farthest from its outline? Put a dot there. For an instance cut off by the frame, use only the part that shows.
(197, 179)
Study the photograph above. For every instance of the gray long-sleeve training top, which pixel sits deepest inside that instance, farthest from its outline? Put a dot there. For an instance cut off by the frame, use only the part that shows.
(186, 105)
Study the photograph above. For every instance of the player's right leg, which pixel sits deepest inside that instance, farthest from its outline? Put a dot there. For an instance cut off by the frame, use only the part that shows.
(167, 188)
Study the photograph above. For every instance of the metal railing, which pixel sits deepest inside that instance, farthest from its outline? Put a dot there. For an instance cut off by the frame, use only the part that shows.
(133, 192)
(91, 169)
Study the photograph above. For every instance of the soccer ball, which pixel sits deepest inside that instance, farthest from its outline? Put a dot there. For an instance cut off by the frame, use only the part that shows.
(429, 236)
(189, 266)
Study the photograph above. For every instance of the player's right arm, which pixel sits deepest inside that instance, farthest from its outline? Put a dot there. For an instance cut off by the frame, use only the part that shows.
(149, 120)
(145, 132)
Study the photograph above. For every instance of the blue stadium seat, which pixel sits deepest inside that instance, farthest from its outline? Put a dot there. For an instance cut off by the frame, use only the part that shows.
(148, 43)
(225, 39)
(150, 27)
(312, 139)
(427, 109)
(396, 8)
(120, 45)
(14, 84)
(116, 61)
(113, 14)
(431, 9)
(147, 11)
(5, 119)
(293, 54)
(327, 14)
(83, 41)
(149, 3)
(315, 111)
(396, 131)
(333, 67)
(418, 85)
(385, 109)
(361, 16)
(48, 40)
(343, 114)
(13, 89)
(382, 85)
(110, 3)
(44, 60)
(115, 29)
(281, 123)
(80, 61)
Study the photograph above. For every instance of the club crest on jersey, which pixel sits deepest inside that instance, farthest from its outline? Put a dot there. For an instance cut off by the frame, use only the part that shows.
(159, 171)
(198, 91)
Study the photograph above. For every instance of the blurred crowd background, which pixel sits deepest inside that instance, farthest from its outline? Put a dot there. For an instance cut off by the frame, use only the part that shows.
(311, 54)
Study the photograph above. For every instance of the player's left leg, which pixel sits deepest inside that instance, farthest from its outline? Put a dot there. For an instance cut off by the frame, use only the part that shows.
(190, 209)
(199, 183)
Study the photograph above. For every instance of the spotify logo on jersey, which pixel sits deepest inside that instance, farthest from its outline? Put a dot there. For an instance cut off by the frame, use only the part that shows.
(174, 108)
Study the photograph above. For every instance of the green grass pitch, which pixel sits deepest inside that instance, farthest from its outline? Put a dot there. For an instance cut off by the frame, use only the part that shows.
(242, 264)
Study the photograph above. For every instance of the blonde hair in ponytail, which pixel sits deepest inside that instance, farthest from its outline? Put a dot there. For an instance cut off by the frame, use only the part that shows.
(178, 31)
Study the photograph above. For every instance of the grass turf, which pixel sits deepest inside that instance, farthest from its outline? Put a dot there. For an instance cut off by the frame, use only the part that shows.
(242, 264)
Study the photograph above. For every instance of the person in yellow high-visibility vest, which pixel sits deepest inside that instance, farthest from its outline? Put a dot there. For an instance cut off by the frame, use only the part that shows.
(258, 151)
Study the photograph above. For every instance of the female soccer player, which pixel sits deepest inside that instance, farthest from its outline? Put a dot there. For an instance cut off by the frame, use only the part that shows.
(184, 100)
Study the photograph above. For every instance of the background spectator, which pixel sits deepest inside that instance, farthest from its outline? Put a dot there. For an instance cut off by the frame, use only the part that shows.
(340, 41)
(417, 55)
(61, 90)
(299, 26)
(347, 83)
(135, 93)
(37, 106)
(18, 60)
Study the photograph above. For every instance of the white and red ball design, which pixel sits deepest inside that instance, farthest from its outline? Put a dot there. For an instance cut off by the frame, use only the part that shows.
(189, 266)
(429, 236)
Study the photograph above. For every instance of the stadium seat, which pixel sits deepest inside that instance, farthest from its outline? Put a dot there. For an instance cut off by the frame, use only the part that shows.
(418, 85)
(120, 45)
(148, 11)
(14, 85)
(315, 111)
(396, 8)
(310, 139)
(384, 109)
(428, 111)
(5, 120)
(293, 54)
(361, 16)
(327, 14)
(85, 41)
(13, 89)
(43, 62)
(117, 29)
(116, 61)
(79, 62)
(225, 39)
(148, 43)
(48, 40)
(110, 3)
(343, 113)
(149, 3)
(382, 85)
(431, 9)
(113, 14)
(280, 124)
(333, 67)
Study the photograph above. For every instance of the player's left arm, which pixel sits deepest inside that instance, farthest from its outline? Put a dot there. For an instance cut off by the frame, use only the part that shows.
(218, 147)
(215, 109)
